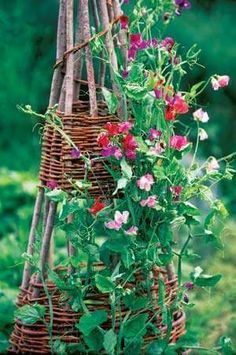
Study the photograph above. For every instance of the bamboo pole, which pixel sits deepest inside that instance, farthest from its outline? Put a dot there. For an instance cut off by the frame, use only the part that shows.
(89, 60)
(78, 58)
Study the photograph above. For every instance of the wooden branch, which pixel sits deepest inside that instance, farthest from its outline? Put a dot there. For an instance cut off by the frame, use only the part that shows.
(46, 243)
(61, 48)
(32, 238)
(89, 61)
(70, 59)
(78, 56)
(122, 35)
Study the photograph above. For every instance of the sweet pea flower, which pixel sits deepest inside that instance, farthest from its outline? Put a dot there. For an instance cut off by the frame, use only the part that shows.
(125, 74)
(103, 140)
(124, 127)
(130, 154)
(220, 81)
(52, 184)
(135, 40)
(112, 128)
(168, 43)
(176, 191)
(132, 231)
(149, 202)
(129, 142)
(120, 218)
(200, 115)
(212, 165)
(125, 1)
(154, 134)
(132, 53)
(176, 106)
(124, 22)
(202, 134)
(97, 206)
(145, 182)
(75, 153)
(182, 5)
(157, 149)
(178, 142)
(189, 285)
(112, 150)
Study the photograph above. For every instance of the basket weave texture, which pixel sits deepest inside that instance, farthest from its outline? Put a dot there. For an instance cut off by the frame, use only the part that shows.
(57, 162)
(35, 339)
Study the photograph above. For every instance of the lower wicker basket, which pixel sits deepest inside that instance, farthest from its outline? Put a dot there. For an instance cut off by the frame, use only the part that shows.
(34, 339)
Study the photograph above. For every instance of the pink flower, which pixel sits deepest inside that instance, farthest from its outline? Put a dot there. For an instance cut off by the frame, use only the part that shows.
(52, 184)
(145, 182)
(124, 22)
(124, 127)
(157, 149)
(168, 43)
(130, 154)
(132, 231)
(176, 190)
(129, 142)
(135, 40)
(149, 202)
(75, 153)
(112, 128)
(154, 134)
(213, 165)
(178, 142)
(132, 53)
(201, 115)
(220, 81)
(103, 140)
(179, 104)
(120, 218)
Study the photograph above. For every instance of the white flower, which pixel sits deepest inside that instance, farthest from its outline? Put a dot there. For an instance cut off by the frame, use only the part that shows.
(202, 134)
(201, 115)
(212, 165)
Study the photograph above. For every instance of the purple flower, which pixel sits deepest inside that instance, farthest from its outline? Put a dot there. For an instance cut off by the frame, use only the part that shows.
(126, 1)
(189, 285)
(186, 298)
(132, 53)
(75, 153)
(182, 5)
(112, 150)
(154, 134)
(125, 74)
(52, 184)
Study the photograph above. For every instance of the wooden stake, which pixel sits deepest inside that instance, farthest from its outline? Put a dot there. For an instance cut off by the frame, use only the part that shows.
(122, 35)
(32, 238)
(89, 60)
(61, 48)
(78, 57)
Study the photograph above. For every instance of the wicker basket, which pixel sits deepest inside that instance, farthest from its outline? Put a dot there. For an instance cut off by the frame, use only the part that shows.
(57, 163)
(35, 338)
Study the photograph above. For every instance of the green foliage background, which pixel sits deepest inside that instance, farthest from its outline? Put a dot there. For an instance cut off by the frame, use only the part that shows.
(27, 47)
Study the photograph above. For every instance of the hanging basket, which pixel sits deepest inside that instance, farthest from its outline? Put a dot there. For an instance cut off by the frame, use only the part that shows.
(35, 338)
(60, 166)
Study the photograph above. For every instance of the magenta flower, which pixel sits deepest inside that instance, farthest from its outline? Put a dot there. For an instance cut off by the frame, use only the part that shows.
(145, 182)
(75, 153)
(124, 127)
(132, 53)
(154, 134)
(201, 115)
(112, 150)
(158, 93)
(130, 154)
(124, 22)
(189, 285)
(176, 191)
(220, 81)
(178, 142)
(126, 1)
(182, 5)
(125, 74)
(135, 40)
(132, 231)
(120, 218)
(149, 202)
(168, 43)
(52, 184)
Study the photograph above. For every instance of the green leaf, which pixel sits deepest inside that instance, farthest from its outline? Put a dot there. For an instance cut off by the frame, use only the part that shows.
(111, 100)
(135, 91)
(30, 314)
(88, 322)
(110, 340)
(156, 347)
(94, 341)
(133, 346)
(117, 244)
(56, 195)
(136, 303)
(159, 172)
(127, 257)
(207, 280)
(136, 327)
(126, 169)
(104, 284)
(226, 345)
(67, 208)
(151, 82)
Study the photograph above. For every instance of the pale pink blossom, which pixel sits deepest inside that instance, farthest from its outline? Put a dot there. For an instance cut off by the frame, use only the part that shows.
(132, 231)
(120, 218)
(145, 182)
(149, 202)
(124, 127)
(157, 149)
(212, 165)
(201, 115)
(220, 81)
(202, 134)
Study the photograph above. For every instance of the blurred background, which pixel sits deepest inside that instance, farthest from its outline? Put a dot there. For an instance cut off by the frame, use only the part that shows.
(27, 47)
